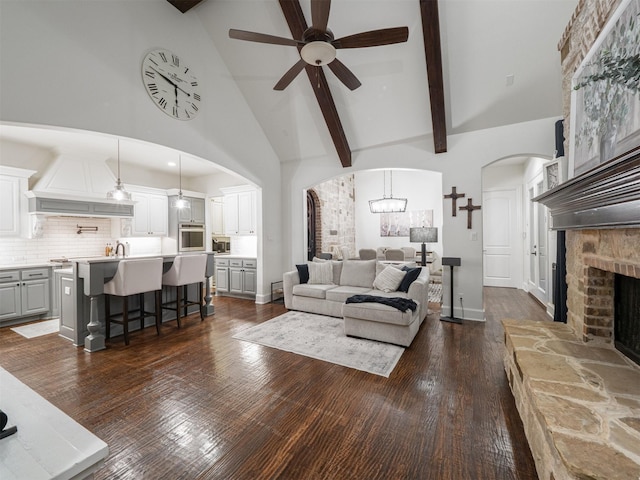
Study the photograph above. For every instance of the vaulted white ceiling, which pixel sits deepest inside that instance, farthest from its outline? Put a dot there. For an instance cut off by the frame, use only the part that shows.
(500, 64)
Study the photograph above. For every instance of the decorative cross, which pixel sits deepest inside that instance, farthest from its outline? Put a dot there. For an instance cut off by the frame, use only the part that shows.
(454, 196)
(470, 208)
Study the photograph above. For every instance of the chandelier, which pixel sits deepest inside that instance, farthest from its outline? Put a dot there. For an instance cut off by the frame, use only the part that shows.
(390, 204)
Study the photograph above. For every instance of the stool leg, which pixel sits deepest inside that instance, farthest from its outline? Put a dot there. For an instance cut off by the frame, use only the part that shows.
(107, 315)
(178, 301)
(142, 312)
(125, 319)
(185, 296)
(200, 302)
(158, 296)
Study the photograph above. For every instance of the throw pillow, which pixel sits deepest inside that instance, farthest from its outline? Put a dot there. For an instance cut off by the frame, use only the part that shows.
(320, 273)
(410, 277)
(389, 279)
(303, 272)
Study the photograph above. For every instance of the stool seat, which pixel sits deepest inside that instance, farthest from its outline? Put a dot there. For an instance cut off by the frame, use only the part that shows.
(134, 277)
(185, 270)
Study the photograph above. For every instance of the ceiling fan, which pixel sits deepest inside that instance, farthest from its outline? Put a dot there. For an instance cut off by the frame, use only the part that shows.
(318, 45)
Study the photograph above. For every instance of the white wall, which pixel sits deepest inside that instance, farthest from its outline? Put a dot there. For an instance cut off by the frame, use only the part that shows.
(423, 191)
(83, 71)
(461, 166)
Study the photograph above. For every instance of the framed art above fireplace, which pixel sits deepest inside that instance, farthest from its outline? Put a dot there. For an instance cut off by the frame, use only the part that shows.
(605, 100)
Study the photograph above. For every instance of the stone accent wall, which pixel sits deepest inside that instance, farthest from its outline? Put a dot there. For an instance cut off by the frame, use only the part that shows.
(593, 257)
(337, 222)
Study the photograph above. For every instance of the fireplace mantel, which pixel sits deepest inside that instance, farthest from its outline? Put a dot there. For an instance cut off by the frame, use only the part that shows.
(606, 197)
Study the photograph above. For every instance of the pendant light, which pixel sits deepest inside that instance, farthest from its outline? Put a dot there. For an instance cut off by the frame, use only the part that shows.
(387, 205)
(181, 202)
(118, 193)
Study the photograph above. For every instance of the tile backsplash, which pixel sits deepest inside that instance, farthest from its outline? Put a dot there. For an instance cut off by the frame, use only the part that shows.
(60, 238)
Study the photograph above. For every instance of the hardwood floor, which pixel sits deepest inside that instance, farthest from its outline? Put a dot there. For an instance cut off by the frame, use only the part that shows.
(196, 404)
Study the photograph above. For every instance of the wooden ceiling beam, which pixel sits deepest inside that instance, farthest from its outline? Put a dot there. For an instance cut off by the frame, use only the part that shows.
(297, 24)
(184, 5)
(433, 55)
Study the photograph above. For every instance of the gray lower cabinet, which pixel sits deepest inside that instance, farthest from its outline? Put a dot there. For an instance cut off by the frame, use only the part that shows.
(24, 293)
(236, 276)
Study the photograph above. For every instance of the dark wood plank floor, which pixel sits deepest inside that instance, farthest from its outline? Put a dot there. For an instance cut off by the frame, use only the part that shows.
(195, 403)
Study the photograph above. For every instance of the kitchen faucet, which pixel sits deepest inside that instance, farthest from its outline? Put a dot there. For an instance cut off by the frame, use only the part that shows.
(118, 245)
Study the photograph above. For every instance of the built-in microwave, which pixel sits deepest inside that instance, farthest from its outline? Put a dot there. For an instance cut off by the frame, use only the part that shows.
(191, 237)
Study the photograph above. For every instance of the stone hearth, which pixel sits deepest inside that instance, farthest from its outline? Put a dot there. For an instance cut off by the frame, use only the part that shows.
(579, 402)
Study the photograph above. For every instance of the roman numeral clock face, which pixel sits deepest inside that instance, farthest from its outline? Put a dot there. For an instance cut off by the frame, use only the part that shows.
(171, 84)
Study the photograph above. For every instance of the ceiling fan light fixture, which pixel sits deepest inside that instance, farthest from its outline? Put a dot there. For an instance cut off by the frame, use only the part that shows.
(318, 53)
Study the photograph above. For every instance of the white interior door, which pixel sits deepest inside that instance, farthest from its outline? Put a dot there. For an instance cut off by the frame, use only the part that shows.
(502, 253)
(538, 282)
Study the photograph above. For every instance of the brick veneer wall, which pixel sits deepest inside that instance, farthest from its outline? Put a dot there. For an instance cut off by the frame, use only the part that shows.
(337, 222)
(593, 256)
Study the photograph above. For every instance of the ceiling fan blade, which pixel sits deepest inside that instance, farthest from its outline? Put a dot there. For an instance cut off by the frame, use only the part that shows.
(374, 38)
(262, 38)
(292, 73)
(345, 75)
(320, 14)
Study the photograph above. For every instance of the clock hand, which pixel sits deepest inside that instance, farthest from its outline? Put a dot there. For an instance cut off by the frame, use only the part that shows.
(171, 82)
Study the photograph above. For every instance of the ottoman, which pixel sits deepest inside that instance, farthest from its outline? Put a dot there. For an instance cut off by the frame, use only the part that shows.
(383, 323)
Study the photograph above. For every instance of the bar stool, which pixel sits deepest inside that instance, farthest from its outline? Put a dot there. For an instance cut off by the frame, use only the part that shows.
(134, 277)
(186, 270)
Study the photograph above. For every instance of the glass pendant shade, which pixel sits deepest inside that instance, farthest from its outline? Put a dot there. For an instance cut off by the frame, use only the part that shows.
(119, 193)
(181, 202)
(388, 205)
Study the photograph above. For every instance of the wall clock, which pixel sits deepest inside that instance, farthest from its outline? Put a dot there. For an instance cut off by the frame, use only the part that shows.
(171, 84)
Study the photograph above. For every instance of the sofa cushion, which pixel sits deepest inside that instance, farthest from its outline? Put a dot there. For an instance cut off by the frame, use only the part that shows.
(358, 273)
(313, 291)
(389, 279)
(409, 278)
(320, 273)
(303, 272)
(342, 292)
(337, 271)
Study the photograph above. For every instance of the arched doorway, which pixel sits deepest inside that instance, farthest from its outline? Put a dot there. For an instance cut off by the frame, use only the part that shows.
(313, 220)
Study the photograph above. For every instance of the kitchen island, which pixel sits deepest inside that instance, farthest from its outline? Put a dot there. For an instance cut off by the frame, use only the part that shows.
(83, 290)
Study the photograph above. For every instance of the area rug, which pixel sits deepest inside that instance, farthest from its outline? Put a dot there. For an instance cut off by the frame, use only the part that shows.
(323, 338)
(38, 329)
(435, 293)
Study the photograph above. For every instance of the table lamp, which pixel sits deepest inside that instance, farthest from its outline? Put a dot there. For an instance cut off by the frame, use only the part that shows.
(423, 235)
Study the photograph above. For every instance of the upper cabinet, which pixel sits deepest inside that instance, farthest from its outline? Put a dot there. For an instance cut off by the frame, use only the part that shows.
(150, 214)
(194, 214)
(240, 211)
(217, 216)
(13, 185)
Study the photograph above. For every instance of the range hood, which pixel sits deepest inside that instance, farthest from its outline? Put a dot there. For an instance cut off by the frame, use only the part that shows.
(77, 185)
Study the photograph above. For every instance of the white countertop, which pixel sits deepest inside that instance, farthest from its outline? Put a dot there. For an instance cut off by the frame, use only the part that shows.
(48, 443)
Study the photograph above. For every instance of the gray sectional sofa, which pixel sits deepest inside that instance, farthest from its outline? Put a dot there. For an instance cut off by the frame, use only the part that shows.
(368, 320)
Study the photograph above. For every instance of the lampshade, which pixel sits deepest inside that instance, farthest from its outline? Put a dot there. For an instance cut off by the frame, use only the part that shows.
(423, 235)
(119, 193)
(388, 205)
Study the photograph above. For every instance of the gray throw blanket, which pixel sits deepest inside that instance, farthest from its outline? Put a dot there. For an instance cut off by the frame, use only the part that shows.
(402, 304)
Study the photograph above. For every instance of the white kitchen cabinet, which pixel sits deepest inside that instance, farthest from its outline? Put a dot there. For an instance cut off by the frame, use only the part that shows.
(24, 293)
(240, 213)
(13, 185)
(217, 216)
(150, 215)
